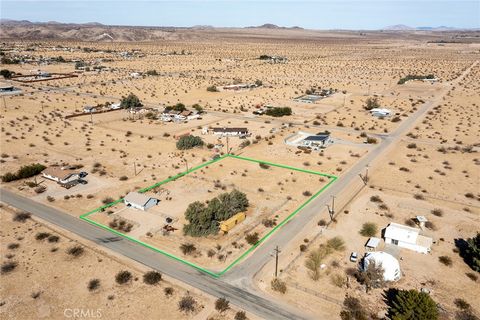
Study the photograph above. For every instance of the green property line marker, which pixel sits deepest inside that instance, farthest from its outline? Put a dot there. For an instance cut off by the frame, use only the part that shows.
(240, 258)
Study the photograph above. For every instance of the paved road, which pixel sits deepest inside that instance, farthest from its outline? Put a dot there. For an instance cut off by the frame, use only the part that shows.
(242, 294)
(218, 288)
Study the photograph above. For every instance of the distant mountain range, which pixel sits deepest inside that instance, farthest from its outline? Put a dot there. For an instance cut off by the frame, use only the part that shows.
(402, 27)
(94, 31)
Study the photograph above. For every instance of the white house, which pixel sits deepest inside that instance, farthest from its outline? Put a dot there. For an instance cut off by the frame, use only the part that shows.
(242, 132)
(407, 237)
(379, 112)
(60, 175)
(139, 201)
(390, 265)
(89, 109)
(115, 106)
(317, 141)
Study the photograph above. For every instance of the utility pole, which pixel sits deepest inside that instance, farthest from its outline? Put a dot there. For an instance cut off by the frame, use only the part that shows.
(135, 168)
(364, 178)
(5, 103)
(228, 151)
(277, 251)
(331, 210)
(186, 163)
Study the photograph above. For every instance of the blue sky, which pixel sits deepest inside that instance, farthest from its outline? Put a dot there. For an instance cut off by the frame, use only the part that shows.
(340, 14)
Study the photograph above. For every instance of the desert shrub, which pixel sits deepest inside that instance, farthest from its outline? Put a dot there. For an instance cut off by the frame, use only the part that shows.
(252, 238)
(75, 251)
(412, 146)
(314, 260)
(13, 246)
(307, 193)
(188, 248)
(204, 219)
(414, 77)
(376, 198)
(187, 304)
(278, 285)
(462, 304)
(269, 223)
(412, 304)
(369, 229)
(189, 142)
(371, 140)
(445, 260)
(131, 101)
(42, 235)
(222, 305)
(472, 276)
(50, 199)
(22, 216)
(53, 239)
(336, 243)
(152, 73)
(8, 267)
(107, 200)
(303, 248)
(263, 165)
(353, 310)
(168, 291)
(437, 212)
(212, 89)
(338, 280)
(123, 277)
(322, 222)
(152, 277)
(240, 315)
(93, 284)
(123, 178)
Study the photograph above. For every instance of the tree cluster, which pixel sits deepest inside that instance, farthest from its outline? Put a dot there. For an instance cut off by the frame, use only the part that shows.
(415, 77)
(204, 219)
(371, 103)
(131, 101)
(279, 111)
(24, 172)
(189, 142)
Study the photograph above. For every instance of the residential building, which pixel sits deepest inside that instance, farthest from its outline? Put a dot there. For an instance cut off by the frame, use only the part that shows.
(317, 141)
(239, 132)
(390, 265)
(407, 237)
(139, 201)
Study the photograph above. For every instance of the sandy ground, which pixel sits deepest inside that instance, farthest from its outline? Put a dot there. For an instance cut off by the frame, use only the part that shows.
(42, 265)
(442, 166)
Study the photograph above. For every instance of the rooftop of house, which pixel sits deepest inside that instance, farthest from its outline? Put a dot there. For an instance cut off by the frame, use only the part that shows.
(58, 172)
(137, 198)
(230, 130)
(317, 137)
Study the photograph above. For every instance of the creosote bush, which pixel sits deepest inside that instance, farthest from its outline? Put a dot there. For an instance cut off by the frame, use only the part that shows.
(123, 277)
(152, 277)
(279, 285)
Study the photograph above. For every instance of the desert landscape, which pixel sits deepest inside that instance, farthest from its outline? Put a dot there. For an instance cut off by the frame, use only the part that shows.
(370, 131)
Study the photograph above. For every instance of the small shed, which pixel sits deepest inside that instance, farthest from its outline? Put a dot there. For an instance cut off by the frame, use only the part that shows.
(139, 201)
(421, 221)
(372, 244)
(228, 224)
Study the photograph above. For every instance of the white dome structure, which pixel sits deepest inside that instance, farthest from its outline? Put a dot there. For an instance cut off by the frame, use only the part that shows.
(389, 263)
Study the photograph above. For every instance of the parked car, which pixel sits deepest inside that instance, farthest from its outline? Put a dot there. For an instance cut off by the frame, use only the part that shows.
(354, 257)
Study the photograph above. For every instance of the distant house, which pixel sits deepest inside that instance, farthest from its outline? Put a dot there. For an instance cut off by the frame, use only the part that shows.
(115, 106)
(378, 112)
(60, 174)
(7, 89)
(317, 141)
(139, 201)
(407, 237)
(239, 132)
(390, 265)
(88, 109)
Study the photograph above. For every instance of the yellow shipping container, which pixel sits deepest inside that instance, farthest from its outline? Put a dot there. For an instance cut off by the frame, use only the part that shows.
(228, 224)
